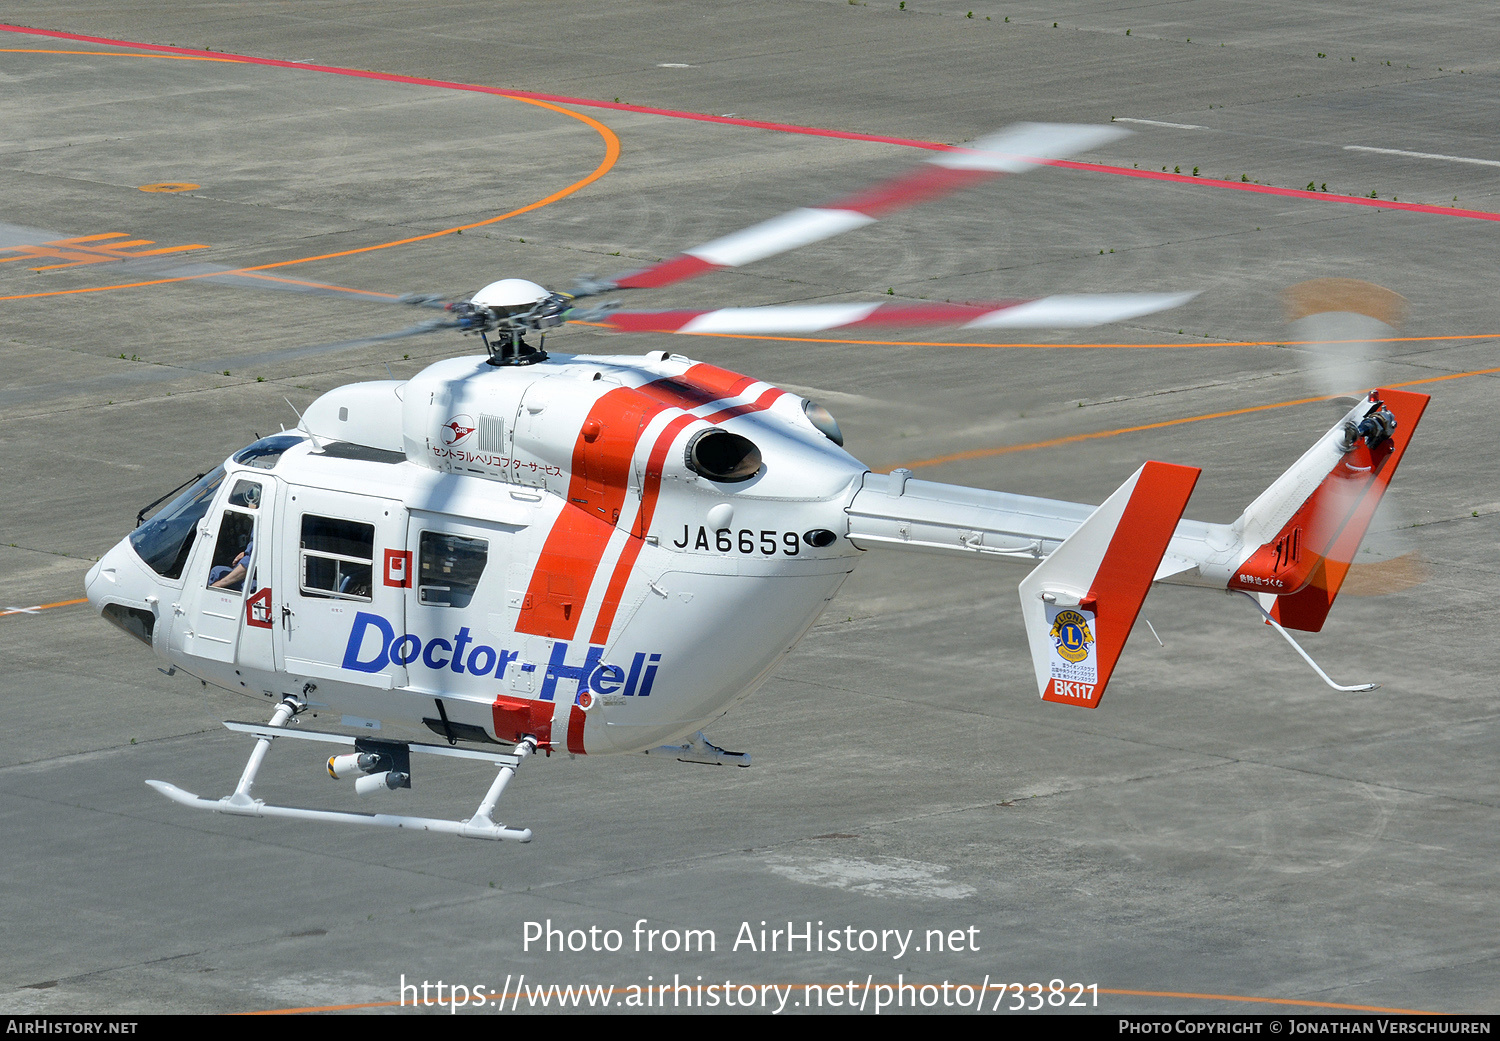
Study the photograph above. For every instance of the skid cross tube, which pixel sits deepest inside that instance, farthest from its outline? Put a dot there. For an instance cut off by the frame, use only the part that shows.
(242, 804)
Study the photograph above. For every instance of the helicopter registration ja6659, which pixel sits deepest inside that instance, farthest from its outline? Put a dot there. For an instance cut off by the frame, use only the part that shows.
(596, 555)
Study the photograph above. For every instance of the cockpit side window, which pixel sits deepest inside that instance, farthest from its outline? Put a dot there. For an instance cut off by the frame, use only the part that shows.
(165, 541)
(246, 495)
(233, 551)
(337, 558)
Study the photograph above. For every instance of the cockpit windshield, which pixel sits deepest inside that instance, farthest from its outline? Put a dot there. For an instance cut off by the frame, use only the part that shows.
(165, 540)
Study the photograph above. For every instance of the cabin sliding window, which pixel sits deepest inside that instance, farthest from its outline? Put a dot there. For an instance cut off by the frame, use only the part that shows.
(449, 567)
(337, 558)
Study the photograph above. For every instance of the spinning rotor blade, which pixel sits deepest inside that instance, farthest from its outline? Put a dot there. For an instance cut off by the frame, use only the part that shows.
(40, 244)
(312, 350)
(1012, 150)
(1050, 312)
(1342, 320)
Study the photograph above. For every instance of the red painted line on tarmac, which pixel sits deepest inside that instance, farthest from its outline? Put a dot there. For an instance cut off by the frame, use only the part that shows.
(1291, 193)
(785, 128)
(390, 77)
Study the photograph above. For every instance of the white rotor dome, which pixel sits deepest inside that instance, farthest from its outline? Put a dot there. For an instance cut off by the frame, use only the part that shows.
(510, 296)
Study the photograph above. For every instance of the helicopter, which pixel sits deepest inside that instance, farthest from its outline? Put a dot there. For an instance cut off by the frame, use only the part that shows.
(526, 551)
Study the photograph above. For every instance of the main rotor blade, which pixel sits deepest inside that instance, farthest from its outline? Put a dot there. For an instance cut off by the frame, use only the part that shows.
(1013, 150)
(312, 350)
(1050, 312)
(43, 244)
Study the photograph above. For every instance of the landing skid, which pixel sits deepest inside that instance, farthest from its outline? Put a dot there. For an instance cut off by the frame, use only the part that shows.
(242, 804)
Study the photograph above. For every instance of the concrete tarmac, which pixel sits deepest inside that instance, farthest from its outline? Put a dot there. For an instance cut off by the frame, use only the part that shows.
(1224, 824)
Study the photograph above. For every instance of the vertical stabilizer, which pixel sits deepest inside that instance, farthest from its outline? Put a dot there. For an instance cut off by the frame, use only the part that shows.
(1081, 602)
(1302, 543)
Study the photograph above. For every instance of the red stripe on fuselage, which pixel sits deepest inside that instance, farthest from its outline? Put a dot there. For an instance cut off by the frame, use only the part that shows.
(576, 718)
(650, 492)
(596, 493)
(597, 487)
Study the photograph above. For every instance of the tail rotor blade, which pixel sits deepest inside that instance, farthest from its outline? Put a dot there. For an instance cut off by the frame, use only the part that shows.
(1344, 321)
(1347, 323)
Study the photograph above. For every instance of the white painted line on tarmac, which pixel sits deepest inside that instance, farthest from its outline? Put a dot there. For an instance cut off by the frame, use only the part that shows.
(1423, 155)
(1159, 123)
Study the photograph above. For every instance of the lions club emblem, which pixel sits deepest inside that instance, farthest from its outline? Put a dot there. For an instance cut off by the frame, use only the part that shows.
(1071, 636)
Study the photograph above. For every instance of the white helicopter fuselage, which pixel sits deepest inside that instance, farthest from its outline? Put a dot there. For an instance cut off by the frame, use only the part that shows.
(499, 551)
(603, 554)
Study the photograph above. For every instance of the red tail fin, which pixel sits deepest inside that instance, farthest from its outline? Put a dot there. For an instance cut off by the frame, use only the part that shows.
(1360, 483)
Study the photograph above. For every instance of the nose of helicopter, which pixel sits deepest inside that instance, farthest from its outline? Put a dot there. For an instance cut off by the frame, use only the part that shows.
(114, 578)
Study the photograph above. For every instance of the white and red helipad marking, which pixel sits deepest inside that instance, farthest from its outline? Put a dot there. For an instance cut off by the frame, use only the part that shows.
(1069, 311)
(1012, 150)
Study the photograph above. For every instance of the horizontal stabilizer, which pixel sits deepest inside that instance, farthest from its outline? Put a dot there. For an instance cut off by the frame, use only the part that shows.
(1081, 602)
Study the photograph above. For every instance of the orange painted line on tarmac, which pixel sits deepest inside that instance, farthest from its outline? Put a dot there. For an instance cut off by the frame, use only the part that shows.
(611, 155)
(986, 453)
(77, 240)
(42, 607)
(315, 285)
(496, 999)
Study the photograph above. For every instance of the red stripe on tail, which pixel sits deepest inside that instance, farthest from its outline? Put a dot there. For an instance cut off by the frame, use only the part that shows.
(1307, 609)
(1124, 576)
